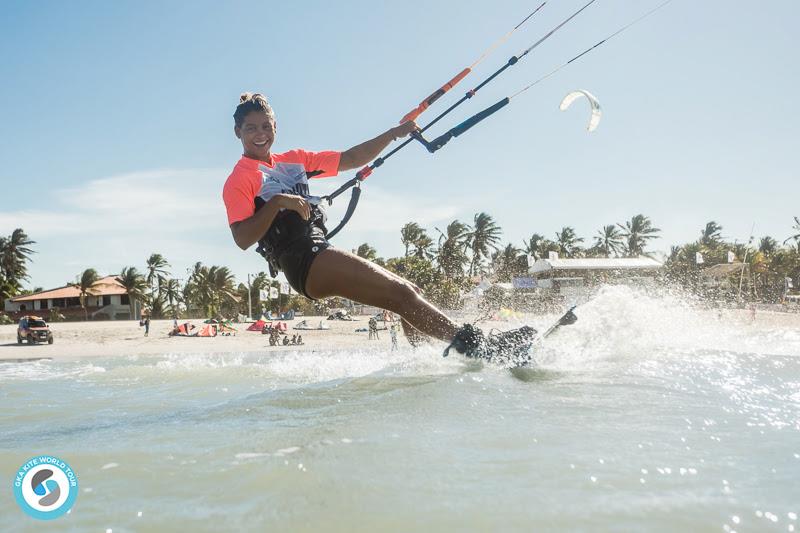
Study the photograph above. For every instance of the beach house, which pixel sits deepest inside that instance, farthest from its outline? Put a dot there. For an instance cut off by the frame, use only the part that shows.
(573, 277)
(108, 300)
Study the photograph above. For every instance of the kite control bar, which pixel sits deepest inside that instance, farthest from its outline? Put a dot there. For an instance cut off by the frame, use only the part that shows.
(441, 140)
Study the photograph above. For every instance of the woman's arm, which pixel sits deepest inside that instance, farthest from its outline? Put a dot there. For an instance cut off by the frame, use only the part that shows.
(248, 231)
(360, 155)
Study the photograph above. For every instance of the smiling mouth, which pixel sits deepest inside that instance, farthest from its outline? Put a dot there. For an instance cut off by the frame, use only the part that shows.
(261, 144)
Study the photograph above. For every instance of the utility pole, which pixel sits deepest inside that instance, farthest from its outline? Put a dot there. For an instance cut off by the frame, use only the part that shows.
(249, 302)
(744, 262)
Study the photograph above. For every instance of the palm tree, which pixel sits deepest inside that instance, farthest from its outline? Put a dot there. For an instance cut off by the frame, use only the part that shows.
(15, 252)
(156, 271)
(211, 289)
(637, 231)
(157, 306)
(85, 283)
(257, 284)
(134, 284)
(533, 246)
(710, 236)
(548, 246)
(423, 246)
(767, 246)
(567, 241)
(796, 236)
(7, 288)
(409, 234)
(367, 252)
(508, 263)
(609, 240)
(172, 293)
(451, 254)
(197, 292)
(222, 287)
(484, 237)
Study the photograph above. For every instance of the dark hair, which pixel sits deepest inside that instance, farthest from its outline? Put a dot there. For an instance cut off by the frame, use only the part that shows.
(249, 102)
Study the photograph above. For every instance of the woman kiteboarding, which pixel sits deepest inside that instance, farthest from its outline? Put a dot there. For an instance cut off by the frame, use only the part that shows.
(268, 202)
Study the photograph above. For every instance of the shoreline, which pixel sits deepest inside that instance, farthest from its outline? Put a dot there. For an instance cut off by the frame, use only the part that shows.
(79, 340)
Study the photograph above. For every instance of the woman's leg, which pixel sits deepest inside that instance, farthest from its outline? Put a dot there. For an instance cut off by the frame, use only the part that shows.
(339, 273)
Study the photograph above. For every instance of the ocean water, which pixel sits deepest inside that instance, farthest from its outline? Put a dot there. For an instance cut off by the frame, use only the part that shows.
(647, 414)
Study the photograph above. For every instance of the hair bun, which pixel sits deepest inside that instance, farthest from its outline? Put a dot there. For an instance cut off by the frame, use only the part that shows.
(251, 102)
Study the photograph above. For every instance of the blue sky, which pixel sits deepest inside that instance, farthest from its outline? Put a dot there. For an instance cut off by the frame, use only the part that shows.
(117, 134)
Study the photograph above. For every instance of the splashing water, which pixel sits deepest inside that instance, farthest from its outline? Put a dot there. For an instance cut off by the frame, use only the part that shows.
(649, 413)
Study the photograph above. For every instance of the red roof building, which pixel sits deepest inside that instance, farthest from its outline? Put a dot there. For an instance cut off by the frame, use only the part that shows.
(107, 300)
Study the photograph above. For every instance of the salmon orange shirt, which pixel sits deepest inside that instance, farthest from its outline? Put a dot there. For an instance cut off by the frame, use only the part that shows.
(285, 173)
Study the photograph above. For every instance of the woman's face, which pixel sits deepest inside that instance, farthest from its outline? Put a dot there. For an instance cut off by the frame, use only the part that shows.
(257, 134)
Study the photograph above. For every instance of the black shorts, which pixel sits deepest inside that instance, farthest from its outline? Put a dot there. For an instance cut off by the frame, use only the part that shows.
(295, 260)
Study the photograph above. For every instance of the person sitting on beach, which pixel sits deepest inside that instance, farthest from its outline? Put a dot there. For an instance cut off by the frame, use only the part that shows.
(268, 202)
(274, 337)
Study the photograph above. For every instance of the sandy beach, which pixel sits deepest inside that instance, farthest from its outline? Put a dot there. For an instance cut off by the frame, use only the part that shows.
(126, 338)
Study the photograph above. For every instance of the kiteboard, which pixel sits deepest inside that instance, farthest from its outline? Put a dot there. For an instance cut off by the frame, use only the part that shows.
(527, 370)
(305, 326)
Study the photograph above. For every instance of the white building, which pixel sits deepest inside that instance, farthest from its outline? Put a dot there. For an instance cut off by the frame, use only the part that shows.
(571, 277)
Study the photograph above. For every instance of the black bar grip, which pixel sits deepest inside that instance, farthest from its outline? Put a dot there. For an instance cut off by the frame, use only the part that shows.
(418, 136)
(474, 119)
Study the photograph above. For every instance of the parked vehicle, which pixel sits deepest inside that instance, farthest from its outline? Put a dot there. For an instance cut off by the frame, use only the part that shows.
(34, 329)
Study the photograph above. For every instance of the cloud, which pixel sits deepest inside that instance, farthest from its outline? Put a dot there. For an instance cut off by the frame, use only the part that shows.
(120, 220)
(173, 201)
(36, 222)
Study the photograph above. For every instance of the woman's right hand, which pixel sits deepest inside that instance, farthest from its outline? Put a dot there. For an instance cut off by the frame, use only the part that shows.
(295, 203)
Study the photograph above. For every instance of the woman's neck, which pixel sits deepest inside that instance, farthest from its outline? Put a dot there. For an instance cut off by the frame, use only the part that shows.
(267, 159)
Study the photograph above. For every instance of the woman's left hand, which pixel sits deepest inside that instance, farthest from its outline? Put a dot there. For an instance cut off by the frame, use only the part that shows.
(365, 152)
(404, 129)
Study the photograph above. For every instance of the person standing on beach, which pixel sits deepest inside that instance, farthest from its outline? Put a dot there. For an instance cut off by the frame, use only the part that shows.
(373, 329)
(393, 335)
(146, 325)
(268, 202)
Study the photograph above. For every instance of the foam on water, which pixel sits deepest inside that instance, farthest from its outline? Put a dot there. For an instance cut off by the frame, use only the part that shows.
(649, 413)
(42, 370)
(297, 367)
(621, 324)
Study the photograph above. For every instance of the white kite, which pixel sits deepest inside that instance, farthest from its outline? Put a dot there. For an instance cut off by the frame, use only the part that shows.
(596, 111)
